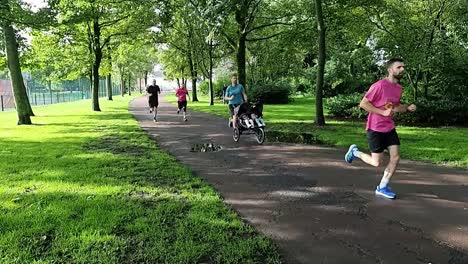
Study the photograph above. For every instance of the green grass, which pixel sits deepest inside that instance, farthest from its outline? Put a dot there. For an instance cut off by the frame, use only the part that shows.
(445, 145)
(86, 187)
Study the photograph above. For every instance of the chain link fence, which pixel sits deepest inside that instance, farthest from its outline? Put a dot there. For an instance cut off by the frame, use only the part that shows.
(53, 93)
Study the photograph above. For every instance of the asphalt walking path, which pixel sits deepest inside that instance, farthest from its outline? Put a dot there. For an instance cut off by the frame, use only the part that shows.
(313, 205)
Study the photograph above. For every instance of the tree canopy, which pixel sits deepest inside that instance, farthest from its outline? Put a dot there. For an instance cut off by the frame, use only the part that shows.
(264, 41)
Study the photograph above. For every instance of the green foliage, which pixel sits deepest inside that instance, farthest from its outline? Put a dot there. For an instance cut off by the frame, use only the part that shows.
(442, 112)
(269, 93)
(204, 87)
(303, 88)
(345, 106)
(3, 62)
(219, 84)
(175, 64)
(132, 59)
(431, 37)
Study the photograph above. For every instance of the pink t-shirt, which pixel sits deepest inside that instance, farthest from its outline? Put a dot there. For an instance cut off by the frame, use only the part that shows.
(181, 95)
(383, 94)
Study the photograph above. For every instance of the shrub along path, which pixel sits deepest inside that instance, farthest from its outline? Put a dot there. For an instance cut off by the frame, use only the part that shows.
(317, 208)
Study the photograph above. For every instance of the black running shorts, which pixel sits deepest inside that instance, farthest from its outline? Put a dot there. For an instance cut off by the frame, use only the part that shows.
(153, 101)
(233, 109)
(379, 141)
(183, 105)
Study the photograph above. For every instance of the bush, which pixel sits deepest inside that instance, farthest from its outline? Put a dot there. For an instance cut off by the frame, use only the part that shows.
(347, 87)
(219, 84)
(345, 106)
(272, 93)
(302, 88)
(204, 87)
(442, 112)
(429, 112)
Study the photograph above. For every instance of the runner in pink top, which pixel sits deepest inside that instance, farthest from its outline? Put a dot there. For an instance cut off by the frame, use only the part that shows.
(382, 101)
(383, 94)
(182, 94)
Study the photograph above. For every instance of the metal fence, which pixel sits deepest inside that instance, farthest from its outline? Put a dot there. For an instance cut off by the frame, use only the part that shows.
(66, 91)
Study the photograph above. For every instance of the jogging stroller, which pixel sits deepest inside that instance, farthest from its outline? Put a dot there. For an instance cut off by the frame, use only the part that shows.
(249, 121)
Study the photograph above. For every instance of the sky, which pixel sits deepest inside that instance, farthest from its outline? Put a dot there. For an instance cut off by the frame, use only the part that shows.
(36, 4)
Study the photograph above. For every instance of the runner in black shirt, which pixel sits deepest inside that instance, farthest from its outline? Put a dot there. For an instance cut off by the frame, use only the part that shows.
(153, 90)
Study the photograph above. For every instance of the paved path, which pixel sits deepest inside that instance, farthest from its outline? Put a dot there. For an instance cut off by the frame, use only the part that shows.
(317, 208)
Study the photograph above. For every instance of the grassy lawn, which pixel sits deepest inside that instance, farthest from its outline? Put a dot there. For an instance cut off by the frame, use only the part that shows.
(84, 187)
(445, 145)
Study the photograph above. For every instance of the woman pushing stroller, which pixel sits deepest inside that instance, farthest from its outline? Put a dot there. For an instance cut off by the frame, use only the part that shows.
(236, 95)
(247, 116)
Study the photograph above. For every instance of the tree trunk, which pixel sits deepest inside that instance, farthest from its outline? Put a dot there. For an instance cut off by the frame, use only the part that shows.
(210, 53)
(96, 64)
(95, 87)
(122, 86)
(139, 85)
(241, 73)
(109, 87)
(146, 79)
(191, 61)
(49, 84)
(129, 85)
(109, 77)
(23, 107)
(319, 117)
(241, 17)
(414, 82)
(90, 82)
(194, 90)
(193, 75)
(122, 80)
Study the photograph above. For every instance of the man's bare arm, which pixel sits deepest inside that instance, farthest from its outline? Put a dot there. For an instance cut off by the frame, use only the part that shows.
(369, 107)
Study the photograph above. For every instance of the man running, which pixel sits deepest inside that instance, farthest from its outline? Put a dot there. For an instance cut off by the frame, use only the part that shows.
(182, 94)
(382, 101)
(153, 90)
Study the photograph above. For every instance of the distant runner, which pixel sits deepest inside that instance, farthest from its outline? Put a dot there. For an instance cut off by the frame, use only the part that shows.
(182, 94)
(153, 90)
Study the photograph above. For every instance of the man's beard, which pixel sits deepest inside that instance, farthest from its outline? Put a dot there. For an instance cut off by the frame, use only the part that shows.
(398, 76)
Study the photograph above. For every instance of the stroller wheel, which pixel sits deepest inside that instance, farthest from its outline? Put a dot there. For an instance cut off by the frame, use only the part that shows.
(260, 134)
(236, 134)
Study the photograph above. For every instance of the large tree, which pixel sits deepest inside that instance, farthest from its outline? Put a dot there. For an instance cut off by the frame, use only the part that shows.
(23, 106)
(319, 117)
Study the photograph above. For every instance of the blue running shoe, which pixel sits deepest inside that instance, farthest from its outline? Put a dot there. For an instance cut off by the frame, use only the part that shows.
(385, 192)
(349, 156)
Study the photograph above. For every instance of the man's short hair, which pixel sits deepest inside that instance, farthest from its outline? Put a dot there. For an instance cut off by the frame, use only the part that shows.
(393, 60)
(234, 75)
